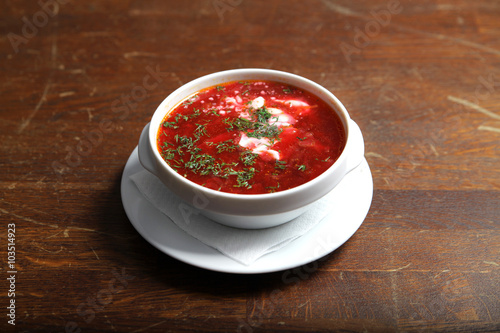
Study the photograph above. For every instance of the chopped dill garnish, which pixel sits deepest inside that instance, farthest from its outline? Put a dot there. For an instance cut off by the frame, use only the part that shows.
(227, 145)
(170, 124)
(258, 127)
(273, 188)
(168, 154)
(244, 176)
(262, 114)
(190, 101)
(248, 158)
(200, 130)
(281, 165)
(199, 162)
(196, 113)
(228, 122)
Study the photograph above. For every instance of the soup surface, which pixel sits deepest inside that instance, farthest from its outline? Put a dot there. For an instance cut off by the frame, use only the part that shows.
(251, 137)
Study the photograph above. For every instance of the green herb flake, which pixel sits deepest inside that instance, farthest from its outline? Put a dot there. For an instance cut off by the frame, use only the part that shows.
(248, 158)
(196, 113)
(168, 153)
(263, 115)
(201, 162)
(200, 130)
(190, 101)
(281, 165)
(273, 189)
(170, 124)
(226, 146)
(229, 123)
(244, 176)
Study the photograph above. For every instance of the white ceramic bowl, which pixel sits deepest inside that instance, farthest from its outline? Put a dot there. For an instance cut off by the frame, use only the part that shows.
(250, 211)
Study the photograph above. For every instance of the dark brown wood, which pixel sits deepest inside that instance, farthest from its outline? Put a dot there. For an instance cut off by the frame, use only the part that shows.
(422, 79)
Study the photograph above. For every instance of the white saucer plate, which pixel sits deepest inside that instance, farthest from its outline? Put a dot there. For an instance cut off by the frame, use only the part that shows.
(349, 208)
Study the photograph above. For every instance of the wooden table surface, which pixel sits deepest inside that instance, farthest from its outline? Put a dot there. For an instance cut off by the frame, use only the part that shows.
(421, 78)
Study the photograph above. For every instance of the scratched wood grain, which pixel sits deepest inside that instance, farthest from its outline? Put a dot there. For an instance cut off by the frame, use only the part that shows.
(422, 79)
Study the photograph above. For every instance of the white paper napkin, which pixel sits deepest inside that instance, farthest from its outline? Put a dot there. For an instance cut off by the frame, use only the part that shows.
(243, 245)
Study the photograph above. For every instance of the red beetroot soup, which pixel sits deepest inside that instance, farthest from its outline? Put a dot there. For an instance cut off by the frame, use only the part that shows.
(251, 137)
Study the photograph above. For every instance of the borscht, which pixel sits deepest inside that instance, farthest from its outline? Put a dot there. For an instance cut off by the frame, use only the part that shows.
(251, 137)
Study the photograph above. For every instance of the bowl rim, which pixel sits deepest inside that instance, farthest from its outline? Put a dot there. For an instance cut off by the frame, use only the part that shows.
(278, 76)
